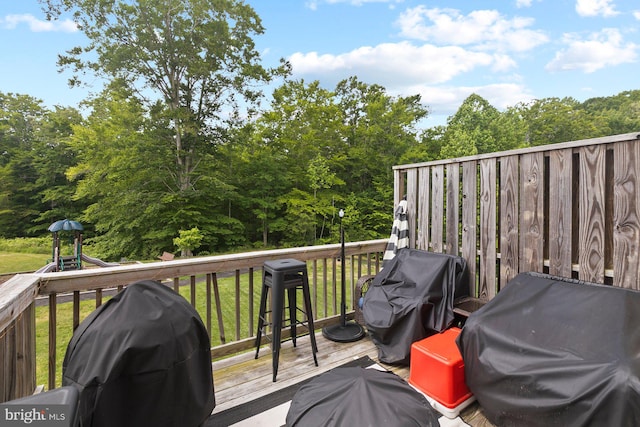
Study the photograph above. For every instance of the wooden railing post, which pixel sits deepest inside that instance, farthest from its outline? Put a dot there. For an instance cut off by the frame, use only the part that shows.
(17, 337)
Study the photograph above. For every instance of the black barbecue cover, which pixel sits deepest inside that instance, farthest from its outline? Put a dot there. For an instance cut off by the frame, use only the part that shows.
(141, 359)
(412, 298)
(548, 351)
(359, 397)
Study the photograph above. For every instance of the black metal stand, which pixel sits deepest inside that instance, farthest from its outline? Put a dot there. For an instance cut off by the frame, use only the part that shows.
(343, 331)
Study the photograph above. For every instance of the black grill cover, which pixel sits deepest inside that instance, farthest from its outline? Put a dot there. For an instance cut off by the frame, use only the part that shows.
(359, 397)
(141, 359)
(548, 351)
(412, 298)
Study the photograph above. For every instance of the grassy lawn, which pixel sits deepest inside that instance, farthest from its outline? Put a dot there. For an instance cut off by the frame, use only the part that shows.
(14, 262)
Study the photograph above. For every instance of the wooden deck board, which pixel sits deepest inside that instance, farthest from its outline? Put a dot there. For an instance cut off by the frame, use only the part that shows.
(242, 378)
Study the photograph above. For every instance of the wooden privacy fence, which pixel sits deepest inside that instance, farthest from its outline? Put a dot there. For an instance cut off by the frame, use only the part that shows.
(569, 209)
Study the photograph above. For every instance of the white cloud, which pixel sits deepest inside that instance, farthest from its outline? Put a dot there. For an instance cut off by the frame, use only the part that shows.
(483, 29)
(38, 25)
(395, 64)
(636, 14)
(523, 3)
(595, 8)
(445, 101)
(313, 4)
(503, 63)
(602, 49)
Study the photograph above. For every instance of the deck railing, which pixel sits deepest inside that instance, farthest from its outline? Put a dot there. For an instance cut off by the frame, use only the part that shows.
(207, 282)
(569, 209)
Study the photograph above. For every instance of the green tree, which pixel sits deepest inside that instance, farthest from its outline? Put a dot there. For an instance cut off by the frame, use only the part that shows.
(33, 158)
(616, 114)
(255, 165)
(379, 130)
(53, 155)
(427, 148)
(192, 67)
(188, 240)
(552, 120)
(303, 125)
(510, 130)
(20, 118)
(118, 178)
(323, 179)
(478, 127)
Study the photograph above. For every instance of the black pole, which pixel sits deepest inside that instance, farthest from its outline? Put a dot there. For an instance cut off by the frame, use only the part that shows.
(343, 306)
(344, 331)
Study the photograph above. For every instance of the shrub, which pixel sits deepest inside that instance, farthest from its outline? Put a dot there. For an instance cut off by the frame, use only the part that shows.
(32, 245)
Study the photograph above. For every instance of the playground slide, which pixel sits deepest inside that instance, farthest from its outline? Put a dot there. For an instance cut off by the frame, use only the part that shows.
(98, 262)
(47, 268)
(86, 258)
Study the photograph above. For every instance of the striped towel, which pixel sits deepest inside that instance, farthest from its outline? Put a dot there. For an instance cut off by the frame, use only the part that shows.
(399, 233)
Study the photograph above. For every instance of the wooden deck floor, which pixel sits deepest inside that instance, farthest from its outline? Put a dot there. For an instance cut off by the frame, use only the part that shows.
(242, 378)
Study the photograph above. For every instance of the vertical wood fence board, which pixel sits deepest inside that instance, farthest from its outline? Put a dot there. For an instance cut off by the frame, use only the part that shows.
(5, 373)
(8, 341)
(398, 187)
(469, 221)
(532, 212)
(52, 341)
(609, 168)
(424, 202)
(19, 365)
(592, 214)
(76, 309)
(437, 208)
(192, 288)
(509, 214)
(216, 295)
(626, 227)
(325, 287)
(98, 297)
(635, 283)
(32, 356)
(560, 206)
(412, 205)
(25, 375)
(334, 279)
(208, 301)
(251, 304)
(488, 255)
(453, 208)
(314, 285)
(238, 312)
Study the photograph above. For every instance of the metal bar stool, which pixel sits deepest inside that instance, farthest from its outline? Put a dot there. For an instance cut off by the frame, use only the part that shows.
(280, 276)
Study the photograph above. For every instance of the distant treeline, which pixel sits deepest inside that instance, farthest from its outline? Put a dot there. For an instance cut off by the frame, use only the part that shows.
(276, 180)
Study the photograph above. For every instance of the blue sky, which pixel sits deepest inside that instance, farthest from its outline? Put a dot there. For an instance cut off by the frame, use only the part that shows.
(507, 51)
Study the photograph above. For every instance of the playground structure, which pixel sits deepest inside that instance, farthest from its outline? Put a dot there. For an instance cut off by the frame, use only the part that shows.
(69, 262)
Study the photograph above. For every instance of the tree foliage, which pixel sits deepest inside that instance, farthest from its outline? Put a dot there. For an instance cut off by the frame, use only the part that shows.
(176, 142)
(553, 120)
(188, 240)
(34, 154)
(194, 60)
(478, 127)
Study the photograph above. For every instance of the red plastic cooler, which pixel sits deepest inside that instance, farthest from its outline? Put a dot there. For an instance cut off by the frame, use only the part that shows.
(437, 369)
